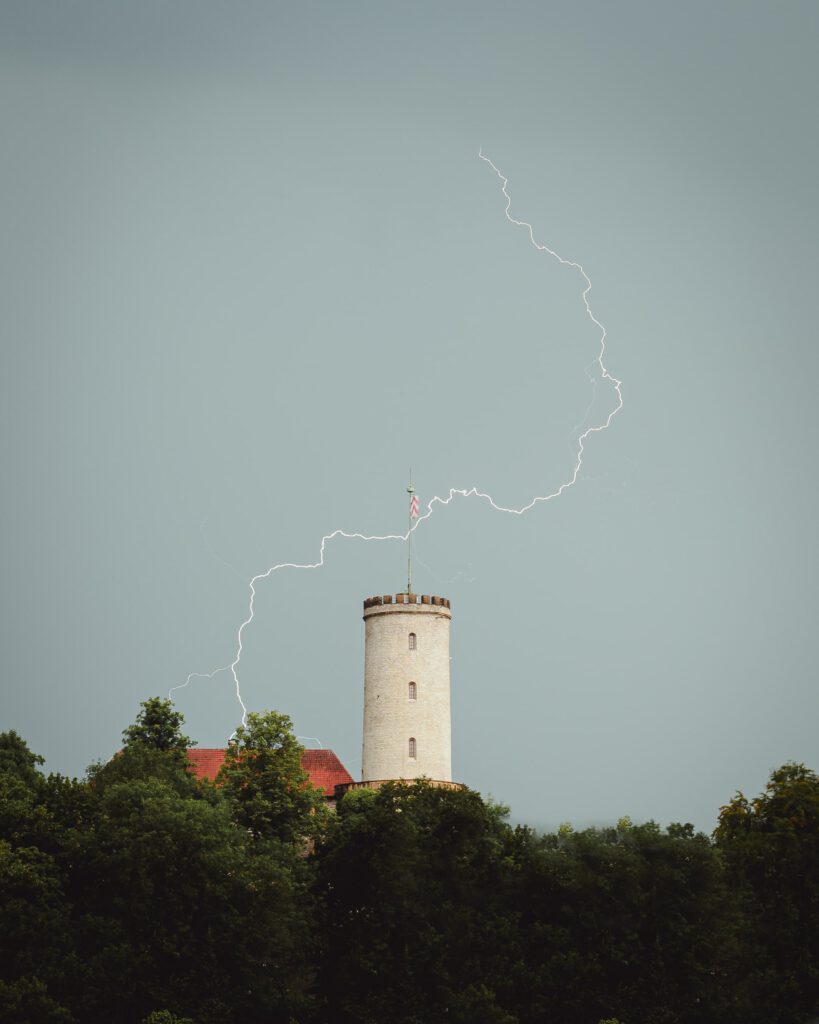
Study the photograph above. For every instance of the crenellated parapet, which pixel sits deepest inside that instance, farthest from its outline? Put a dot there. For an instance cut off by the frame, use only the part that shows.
(407, 599)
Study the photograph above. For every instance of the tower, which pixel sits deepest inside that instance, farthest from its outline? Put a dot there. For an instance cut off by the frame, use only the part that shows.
(407, 726)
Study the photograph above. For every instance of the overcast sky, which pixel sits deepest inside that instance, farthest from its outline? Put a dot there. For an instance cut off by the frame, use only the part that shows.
(253, 269)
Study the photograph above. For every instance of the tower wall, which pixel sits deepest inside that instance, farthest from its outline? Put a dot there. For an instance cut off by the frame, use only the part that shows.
(391, 716)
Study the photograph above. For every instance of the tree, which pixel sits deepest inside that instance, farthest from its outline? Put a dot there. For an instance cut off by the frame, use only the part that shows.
(178, 911)
(631, 921)
(16, 759)
(771, 848)
(24, 817)
(173, 906)
(27, 1001)
(154, 747)
(416, 923)
(158, 726)
(34, 936)
(263, 778)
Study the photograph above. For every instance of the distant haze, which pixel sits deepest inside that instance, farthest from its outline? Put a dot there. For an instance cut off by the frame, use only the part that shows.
(253, 269)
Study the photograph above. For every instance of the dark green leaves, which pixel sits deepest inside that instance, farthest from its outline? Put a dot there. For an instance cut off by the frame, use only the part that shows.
(143, 896)
(158, 727)
(270, 793)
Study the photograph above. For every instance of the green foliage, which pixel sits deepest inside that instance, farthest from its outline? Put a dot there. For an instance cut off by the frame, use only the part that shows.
(413, 882)
(35, 936)
(138, 762)
(477, 1004)
(630, 919)
(179, 912)
(24, 817)
(140, 888)
(17, 760)
(166, 1017)
(158, 727)
(26, 1001)
(154, 748)
(32, 911)
(268, 789)
(426, 890)
(771, 849)
(135, 890)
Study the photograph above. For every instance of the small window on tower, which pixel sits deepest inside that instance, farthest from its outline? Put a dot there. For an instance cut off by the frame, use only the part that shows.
(413, 691)
(413, 747)
(413, 641)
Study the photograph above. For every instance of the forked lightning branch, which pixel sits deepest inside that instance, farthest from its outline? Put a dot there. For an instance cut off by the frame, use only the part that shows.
(441, 502)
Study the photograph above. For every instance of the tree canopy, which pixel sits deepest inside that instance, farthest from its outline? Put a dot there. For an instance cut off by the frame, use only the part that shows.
(770, 846)
(269, 790)
(142, 895)
(158, 726)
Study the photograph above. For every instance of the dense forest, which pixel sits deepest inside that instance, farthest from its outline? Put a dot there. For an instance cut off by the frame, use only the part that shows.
(139, 894)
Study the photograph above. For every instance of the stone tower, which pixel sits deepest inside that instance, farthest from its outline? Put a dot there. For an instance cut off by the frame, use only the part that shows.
(407, 729)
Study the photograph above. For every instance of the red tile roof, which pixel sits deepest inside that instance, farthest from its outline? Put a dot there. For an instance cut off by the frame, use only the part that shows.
(206, 762)
(325, 770)
(323, 767)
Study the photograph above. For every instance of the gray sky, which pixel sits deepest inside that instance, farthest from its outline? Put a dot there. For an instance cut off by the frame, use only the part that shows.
(252, 269)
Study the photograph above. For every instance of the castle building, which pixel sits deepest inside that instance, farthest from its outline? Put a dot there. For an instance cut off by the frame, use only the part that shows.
(407, 718)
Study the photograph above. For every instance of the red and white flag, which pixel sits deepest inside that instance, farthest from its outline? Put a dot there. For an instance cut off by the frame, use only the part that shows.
(414, 507)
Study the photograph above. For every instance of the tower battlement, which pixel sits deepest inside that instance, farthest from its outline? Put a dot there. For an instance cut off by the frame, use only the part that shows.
(405, 599)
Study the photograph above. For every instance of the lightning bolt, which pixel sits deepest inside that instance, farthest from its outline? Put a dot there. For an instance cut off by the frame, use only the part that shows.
(472, 492)
(314, 738)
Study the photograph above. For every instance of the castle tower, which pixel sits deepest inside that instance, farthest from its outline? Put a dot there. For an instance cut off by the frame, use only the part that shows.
(407, 728)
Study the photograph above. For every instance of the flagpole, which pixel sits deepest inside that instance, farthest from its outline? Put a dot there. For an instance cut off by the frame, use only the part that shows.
(410, 490)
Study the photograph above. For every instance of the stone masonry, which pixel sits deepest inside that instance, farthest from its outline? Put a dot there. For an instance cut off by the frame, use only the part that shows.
(395, 712)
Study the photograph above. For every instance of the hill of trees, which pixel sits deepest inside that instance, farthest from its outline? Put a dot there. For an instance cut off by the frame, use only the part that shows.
(142, 895)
